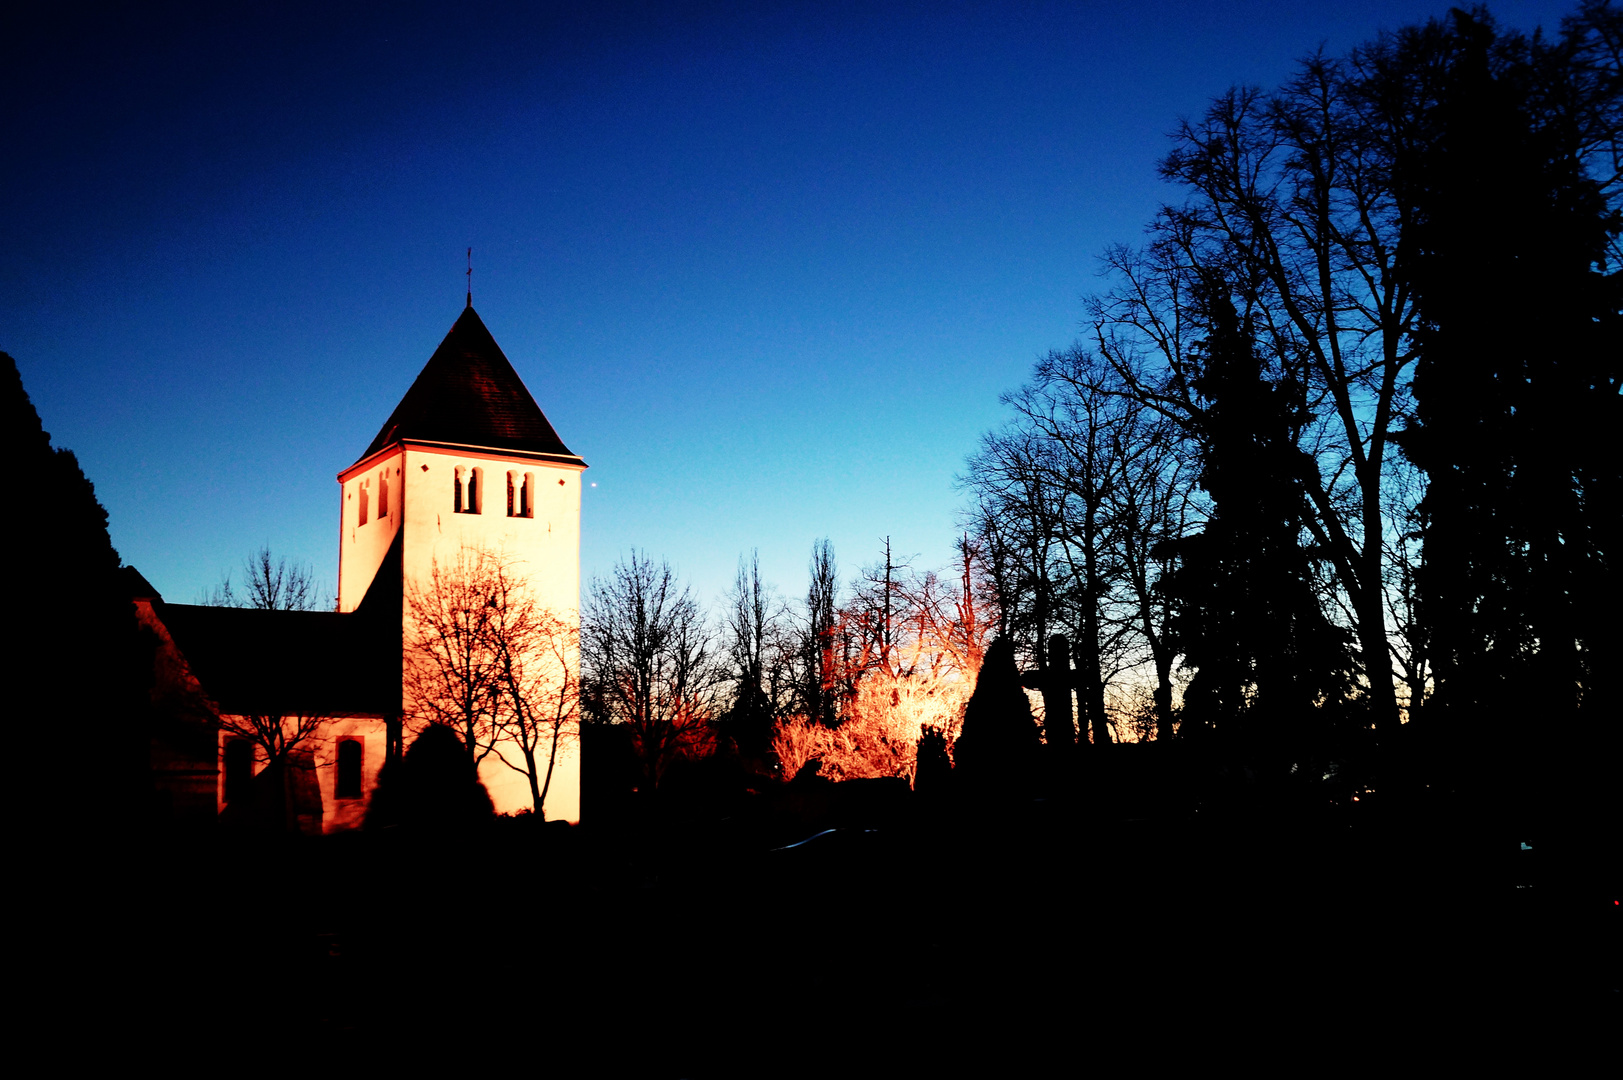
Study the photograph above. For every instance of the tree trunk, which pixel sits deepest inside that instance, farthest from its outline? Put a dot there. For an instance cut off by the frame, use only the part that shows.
(552, 759)
(537, 796)
(1090, 683)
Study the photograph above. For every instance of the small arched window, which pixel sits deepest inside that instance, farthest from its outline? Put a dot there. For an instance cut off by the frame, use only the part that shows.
(383, 494)
(461, 500)
(526, 496)
(363, 502)
(476, 484)
(511, 511)
(350, 756)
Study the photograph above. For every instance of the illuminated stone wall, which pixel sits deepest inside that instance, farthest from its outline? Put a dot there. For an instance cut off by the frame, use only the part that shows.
(542, 546)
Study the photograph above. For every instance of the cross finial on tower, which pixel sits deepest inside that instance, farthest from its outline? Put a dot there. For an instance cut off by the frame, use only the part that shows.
(470, 277)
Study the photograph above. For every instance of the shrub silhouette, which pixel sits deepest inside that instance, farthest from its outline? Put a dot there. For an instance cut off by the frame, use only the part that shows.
(434, 787)
(934, 769)
(999, 741)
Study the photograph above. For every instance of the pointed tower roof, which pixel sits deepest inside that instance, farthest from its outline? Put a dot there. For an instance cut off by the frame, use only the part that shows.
(469, 395)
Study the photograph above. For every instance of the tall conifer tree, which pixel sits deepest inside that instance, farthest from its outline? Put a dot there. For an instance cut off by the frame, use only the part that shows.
(1247, 614)
(1512, 258)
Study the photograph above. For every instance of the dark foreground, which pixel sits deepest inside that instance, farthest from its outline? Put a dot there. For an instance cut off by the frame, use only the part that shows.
(915, 934)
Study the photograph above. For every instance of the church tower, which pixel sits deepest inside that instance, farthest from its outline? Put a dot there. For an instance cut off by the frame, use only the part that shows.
(467, 462)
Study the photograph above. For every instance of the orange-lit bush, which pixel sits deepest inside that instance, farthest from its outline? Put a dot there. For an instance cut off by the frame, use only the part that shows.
(880, 731)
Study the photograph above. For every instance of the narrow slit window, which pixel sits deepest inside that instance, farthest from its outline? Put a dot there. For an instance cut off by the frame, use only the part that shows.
(350, 755)
(475, 484)
(363, 502)
(383, 494)
(510, 512)
(460, 500)
(527, 495)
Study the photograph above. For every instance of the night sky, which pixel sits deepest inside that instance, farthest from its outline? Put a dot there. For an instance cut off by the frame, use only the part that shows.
(766, 267)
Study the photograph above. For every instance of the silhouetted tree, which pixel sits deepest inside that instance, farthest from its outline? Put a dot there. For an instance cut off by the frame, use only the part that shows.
(1246, 610)
(537, 720)
(484, 657)
(933, 770)
(1073, 497)
(999, 743)
(269, 583)
(453, 670)
(283, 742)
(908, 648)
(645, 643)
(1290, 201)
(760, 667)
(79, 662)
(1513, 258)
(817, 687)
(433, 787)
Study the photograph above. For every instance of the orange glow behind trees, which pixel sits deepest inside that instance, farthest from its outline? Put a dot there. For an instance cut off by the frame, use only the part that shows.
(907, 651)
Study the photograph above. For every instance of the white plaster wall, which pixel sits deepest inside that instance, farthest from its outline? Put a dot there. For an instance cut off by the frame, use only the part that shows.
(361, 548)
(545, 548)
(337, 815)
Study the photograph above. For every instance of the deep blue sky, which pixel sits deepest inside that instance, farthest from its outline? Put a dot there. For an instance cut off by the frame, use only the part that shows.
(766, 267)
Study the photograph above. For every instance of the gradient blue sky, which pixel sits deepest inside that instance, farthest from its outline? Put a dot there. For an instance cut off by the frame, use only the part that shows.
(767, 267)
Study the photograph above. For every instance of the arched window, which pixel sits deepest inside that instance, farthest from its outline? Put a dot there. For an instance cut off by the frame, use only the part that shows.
(510, 509)
(239, 769)
(363, 502)
(469, 488)
(383, 493)
(350, 755)
(526, 496)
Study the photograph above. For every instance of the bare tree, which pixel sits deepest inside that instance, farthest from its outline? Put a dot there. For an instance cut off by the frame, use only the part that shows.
(1139, 469)
(280, 739)
(648, 652)
(817, 686)
(538, 678)
(759, 657)
(1294, 210)
(453, 668)
(270, 584)
(1074, 498)
(487, 660)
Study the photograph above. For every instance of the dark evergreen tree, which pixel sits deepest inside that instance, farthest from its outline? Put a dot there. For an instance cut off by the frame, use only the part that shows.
(1247, 613)
(1512, 260)
(998, 747)
(77, 662)
(434, 787)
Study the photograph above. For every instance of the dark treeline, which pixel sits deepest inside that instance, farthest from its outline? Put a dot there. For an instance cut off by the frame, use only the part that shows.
(1330, 478)
(845, 679)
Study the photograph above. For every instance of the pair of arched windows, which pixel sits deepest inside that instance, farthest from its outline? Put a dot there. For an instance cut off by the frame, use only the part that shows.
(520, 495)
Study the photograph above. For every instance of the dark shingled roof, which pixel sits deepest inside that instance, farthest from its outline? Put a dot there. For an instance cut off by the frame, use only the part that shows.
(312, 663)
(136, 585)
(469, 394)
